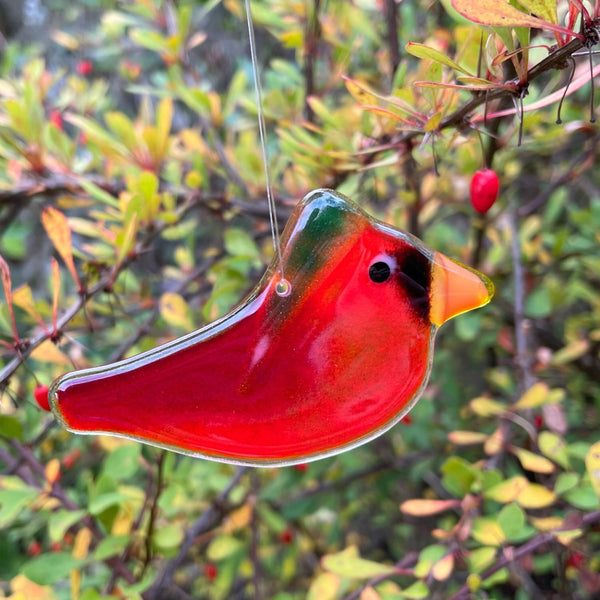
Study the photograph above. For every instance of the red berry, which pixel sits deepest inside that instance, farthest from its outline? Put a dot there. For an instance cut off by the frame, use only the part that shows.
(575, 559)
(301, 468)
(71, 458)
(55, 547)
(211, 571)
(406, 420)
(538, 421)
(484, 190)
(85, 67)
(34, 548)
(40, 393)
(56, 119)
(286, 536)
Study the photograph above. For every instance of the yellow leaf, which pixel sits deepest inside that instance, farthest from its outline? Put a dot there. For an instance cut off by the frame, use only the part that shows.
(535, 396)
(53, 471)
(24, 589)
(324, 587)
(124, 520)
(443, 568)
(487, 531)
(554, 446)
(23, 298)
(57, 227)
(465, 438)
(175, 311)
(238, 519)
(570, 352)
(423, 508)
(486, 407)
(127, 242)
(546, 523)
(65, 40)
(494, 443)
(508, 490)
(48, 352)
(83, 539)
(433, 122)
(164, 118)
(533, 462)
(369, 594)
(592, 465)
(360, 93)
(536, 496)
(545, 9)
(108, 444)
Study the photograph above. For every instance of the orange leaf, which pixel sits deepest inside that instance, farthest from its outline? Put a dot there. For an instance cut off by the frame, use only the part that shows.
(443, 568)
(423, 508)
(465, 438)
(57, 227)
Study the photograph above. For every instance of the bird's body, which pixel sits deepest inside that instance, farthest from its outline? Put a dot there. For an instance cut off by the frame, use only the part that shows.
(285, 379)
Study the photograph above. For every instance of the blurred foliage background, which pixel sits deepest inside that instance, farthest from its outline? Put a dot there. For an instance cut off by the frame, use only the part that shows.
(133, 209)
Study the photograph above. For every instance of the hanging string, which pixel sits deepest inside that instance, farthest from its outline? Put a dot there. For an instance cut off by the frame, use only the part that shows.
(283, 287)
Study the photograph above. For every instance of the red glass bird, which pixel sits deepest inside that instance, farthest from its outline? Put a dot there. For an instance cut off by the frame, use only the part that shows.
(284, 379)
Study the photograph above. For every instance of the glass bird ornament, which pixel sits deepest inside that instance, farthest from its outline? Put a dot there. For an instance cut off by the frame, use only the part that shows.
(286, 378)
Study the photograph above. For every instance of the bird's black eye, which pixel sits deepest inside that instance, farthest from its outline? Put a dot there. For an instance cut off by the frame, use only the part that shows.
(379, 272)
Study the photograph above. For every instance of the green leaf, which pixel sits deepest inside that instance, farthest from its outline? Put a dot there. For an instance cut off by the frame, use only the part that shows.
(582, 497)
(223, 546)
(416, 591)
(104, 501)
(512, 521)
(239, 243)
(565, 482)
(347, 563)
(62, 520)
(169, 536)
(545, 9)
(481, 558)
(458, 476)
(48, 569)
(111, 546)
(10, 427)
(12, 502)
(538, 303)
(124, 461)
(428, 53)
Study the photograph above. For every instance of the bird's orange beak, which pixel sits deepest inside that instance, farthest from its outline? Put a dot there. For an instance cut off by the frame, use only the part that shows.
(456, 289)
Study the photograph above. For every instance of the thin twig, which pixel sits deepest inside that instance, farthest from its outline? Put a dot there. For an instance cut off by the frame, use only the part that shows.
(311, 42)
(391, 19)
